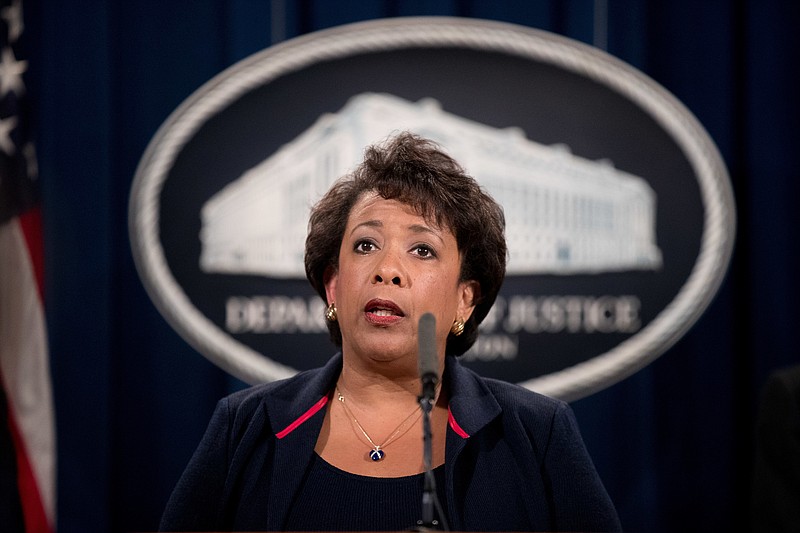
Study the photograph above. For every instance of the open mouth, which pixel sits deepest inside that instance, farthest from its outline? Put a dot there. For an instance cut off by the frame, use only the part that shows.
(383, 309)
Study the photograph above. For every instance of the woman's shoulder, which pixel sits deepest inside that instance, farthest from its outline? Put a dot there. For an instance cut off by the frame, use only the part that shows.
(514, 396)
(294, 389)
(545, 419)
(477, 400)
(508, 395)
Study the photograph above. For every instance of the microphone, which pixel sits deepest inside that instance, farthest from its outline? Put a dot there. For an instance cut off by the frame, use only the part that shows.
(428, 360)
(429, 375)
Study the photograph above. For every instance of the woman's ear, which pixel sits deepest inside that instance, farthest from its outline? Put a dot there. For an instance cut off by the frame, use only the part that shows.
(329, 278)
(469, 292)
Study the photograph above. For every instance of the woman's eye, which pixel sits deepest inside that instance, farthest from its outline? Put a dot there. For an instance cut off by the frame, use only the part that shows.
(424, 251)
(364, 247)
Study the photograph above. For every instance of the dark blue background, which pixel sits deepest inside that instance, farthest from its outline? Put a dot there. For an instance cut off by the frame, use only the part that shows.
(673, 443)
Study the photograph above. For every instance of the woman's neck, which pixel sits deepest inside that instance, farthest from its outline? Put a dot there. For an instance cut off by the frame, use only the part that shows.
(379, 383)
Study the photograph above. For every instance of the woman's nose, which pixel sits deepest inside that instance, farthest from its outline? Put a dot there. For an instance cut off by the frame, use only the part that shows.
(395, 280)
(389, 270)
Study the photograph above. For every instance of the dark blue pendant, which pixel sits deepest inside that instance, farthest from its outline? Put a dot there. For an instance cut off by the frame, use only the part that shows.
(376, 455)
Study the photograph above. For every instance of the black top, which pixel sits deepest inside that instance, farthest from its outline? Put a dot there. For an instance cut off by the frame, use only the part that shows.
(514, 459)
(331, 499)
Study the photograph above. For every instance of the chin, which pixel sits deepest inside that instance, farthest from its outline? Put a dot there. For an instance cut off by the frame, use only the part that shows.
(386, 348)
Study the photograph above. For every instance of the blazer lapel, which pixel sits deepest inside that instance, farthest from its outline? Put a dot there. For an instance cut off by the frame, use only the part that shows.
(472, 407)
(296, 413)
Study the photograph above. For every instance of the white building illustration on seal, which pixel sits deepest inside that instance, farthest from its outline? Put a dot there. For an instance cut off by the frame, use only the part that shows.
(564, 214)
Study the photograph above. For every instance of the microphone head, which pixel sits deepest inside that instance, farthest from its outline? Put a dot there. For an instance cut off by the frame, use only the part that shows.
(426, 337)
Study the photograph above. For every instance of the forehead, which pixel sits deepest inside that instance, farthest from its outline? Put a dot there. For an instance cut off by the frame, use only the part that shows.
(371, 202)
(372, 206)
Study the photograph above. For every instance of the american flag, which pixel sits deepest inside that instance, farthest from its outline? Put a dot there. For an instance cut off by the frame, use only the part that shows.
(18, 172)
(27, 427)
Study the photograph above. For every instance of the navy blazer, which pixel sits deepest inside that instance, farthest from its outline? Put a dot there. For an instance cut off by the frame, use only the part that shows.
(514, 459)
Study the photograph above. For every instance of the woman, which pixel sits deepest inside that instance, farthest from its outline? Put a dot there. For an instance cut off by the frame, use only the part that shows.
(340, 448)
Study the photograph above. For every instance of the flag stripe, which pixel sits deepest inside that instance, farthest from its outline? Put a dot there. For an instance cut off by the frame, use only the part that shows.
(31, 223)
(24, 359)
(33, 511)
(10, 504)
(25, 373)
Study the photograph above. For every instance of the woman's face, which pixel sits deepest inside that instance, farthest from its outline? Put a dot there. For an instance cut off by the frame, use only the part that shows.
(394, 267)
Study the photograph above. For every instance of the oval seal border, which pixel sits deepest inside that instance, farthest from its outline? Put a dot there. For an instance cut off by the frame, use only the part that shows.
(394, 34)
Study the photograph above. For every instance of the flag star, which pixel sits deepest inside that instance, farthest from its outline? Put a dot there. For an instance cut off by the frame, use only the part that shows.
(13, 16)
(6, 126)
(11, 72)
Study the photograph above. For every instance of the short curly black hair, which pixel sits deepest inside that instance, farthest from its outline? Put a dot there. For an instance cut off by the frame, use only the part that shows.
(416, 172)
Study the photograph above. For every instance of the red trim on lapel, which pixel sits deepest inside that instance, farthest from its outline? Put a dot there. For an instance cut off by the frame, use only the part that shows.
(302, 418)
(453, 424)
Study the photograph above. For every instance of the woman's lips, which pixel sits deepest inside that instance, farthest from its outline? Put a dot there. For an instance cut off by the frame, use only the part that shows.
(383, 312)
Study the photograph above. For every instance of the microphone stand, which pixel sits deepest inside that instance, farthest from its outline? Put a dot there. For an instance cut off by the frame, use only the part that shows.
(430, 501)
(429, 487)
(428, 373)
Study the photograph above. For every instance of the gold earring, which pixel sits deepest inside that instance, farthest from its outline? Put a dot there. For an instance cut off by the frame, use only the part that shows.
(330, 313)
(457, 328)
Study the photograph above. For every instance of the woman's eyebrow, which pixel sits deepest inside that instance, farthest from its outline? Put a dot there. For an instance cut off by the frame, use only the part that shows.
(367, 223)
(414, 228)
(420, 228)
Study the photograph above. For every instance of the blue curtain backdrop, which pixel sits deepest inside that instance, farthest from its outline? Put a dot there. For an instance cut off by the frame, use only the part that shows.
(674, 443)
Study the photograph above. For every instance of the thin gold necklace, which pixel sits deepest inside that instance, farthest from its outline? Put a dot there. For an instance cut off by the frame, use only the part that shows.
(377, 453)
